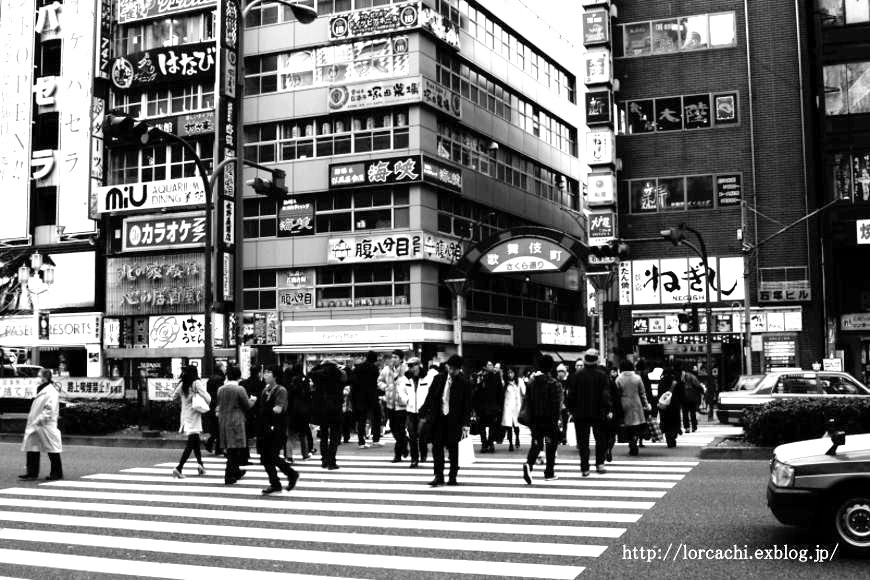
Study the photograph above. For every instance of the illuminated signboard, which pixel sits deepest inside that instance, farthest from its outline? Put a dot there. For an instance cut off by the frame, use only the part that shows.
(174, 231)
(526, 255)
(182, 192)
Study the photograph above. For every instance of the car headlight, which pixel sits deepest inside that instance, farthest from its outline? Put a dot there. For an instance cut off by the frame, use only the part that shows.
(781, 475)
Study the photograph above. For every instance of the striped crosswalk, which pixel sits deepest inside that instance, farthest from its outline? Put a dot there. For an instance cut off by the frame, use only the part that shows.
(369, 519)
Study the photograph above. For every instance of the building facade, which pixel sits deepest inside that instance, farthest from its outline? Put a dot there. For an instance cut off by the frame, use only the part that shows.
(408, 131)
(840, 45)
(711, 132)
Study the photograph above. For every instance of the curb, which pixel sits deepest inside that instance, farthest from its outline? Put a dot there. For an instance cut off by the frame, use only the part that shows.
(108, 441)
(713, 451)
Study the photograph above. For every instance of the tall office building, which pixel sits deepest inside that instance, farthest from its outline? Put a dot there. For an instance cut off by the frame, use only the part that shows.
(840, 81)
(710, 124)
(408, 131)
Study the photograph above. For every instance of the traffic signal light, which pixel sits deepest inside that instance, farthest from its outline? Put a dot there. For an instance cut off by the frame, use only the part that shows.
(615, 248)
(124, 128)
(689, 321)
(272, 188)
(675, 235)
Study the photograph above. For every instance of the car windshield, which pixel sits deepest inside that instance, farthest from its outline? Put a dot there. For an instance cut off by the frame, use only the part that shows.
(747, 382)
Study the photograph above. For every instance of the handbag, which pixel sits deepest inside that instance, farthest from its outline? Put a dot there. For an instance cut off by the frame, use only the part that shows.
(523, 416)
(198, 403)
(654, 433)
(665, 400)
(466, 452)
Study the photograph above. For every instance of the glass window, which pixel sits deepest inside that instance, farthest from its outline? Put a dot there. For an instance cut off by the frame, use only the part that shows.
(857, 11)
(640, 117)
(696, 111)
(671, 193)
(694, 33)
(837, 385)
(665, 36)
(637, 39)
(643, 195)
(699, 191)
(722, 32)
(859, 87)
(836, 90)
(669, 114)
(831, 11)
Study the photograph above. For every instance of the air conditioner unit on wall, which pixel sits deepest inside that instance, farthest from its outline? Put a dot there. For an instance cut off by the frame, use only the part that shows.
(47, 235)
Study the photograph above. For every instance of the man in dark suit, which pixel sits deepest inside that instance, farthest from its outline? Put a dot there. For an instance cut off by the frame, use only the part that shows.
(448, 410)
(364, 396)
(329, 383)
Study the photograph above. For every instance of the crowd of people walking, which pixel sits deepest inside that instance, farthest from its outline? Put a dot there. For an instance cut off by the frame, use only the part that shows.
(439, 405)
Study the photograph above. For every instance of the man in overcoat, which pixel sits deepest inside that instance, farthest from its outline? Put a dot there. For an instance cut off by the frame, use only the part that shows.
(41, 432)
(232, 404)
(364, 397)
(590, 403)
(448, 410)
(328, 382)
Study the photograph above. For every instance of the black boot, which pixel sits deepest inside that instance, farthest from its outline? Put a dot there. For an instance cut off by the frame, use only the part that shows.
(32, 466)
(56, 467)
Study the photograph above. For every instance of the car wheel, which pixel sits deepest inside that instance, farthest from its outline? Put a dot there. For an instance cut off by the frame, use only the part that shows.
(852, 522)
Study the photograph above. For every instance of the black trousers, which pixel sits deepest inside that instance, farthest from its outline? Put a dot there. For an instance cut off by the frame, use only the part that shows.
(397, 426)
(330, 434)
(235, 457)
(362, 416)
(690, 416)
(415, 437)
(269, 447)
(546, 438)
(33, 464)
(581, 427)
(440, 440)
(347, 420)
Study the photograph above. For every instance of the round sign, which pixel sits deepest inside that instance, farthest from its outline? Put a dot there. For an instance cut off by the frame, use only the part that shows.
(122, 73)
(339, 27)
(338, 97)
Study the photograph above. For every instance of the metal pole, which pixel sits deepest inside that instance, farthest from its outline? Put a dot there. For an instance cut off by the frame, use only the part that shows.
(457, 330)
(747, 304)
(600, 298)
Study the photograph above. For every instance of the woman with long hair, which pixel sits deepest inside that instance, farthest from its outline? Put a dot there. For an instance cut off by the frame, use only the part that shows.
(513, 401)
(191, 420)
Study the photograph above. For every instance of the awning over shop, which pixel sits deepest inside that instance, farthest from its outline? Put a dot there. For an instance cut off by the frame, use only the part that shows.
(564, 355)
(363, 347)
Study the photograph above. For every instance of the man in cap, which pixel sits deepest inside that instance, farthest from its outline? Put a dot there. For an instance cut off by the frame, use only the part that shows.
(590, 404)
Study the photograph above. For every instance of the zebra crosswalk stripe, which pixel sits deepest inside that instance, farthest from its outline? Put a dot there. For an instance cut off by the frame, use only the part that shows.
(369, 519)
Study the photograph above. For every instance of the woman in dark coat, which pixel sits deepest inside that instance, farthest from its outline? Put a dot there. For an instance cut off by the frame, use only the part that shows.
(299, 412)
(670, 418)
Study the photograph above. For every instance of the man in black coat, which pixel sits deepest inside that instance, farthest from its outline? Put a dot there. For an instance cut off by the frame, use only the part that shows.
(487, 400)
(272, 431)
(364, 398)
(590, 404)
(448, 411)
(328, 382)
(544, 405)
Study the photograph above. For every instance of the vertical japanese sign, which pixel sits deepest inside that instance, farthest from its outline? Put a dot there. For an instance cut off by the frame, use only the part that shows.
(77, 30)
(228, 17)
(16, 62)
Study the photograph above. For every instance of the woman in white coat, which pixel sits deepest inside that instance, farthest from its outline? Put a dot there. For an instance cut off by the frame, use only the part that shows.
(41, 432)
(514, 391)
(191, 419)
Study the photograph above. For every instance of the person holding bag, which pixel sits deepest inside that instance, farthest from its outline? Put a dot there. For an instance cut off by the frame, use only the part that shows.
(634, 403)
(193, 396)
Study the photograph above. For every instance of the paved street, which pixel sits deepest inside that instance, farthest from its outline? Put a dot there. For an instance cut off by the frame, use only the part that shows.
(370, 519)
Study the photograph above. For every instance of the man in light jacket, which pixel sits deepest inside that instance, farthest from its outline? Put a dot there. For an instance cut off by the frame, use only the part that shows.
(232, 404)
(41, 432)
(388, 382)
(412, 391)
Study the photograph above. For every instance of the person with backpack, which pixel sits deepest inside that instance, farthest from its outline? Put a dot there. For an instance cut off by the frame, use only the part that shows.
(543, 412)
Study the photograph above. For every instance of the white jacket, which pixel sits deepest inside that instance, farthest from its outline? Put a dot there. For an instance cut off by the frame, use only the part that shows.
(414, 398)
(41, 432)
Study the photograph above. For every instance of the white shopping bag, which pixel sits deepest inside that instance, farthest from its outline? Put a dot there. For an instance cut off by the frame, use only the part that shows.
(466, 452)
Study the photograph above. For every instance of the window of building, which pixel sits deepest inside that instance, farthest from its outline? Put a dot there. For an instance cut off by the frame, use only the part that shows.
(680, 193)
(845, 88)
(46, 131)
(161, 102)
(469, 220)
(363, 286)
(688, 33)
(259, 291)
(356, 61)
(45, 207)
(843, 12)
(48, 61)
(174, 30)
(677, 113)
(469, 149)
(158, 162)
(364, 132)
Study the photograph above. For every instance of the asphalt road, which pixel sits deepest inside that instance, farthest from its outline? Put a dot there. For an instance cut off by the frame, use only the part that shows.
(119, 514)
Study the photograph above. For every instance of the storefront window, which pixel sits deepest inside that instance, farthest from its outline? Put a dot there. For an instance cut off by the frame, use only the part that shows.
(831, 12)
(722, 30)
(696, 111)
(643, 196)
(665, 36)
(699, 191)
(671, 194)
(637, 39)
(682, 193)
(640, 117)
(857, 11)
(669, 114)
(694, 33)
(702, 31)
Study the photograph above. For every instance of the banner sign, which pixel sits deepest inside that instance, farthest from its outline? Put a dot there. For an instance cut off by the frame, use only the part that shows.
(296, 218)
(407, 169)
(393, 247)
(91, 388)
(18, 388)
(64, 329)
(862, 232)
(728, 190)
(161, 389)
(599, 109)
(394, 18)
(791, 291)
(596, 27)
(600, 147)
(176, 231)
(182, 192)
(596, 67)
(679, 280)
(164, 65)
(155, 284)
(260, 328)
(601, 189)
(176, 331)
(132, 10)
(393, 92)
(561, 334)
(525, 255)
(291, 299)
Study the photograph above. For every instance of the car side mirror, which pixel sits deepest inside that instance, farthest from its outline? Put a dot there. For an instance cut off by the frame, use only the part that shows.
(837, 438)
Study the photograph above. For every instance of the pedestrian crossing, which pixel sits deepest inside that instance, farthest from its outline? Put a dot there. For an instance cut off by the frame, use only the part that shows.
(369, 519)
